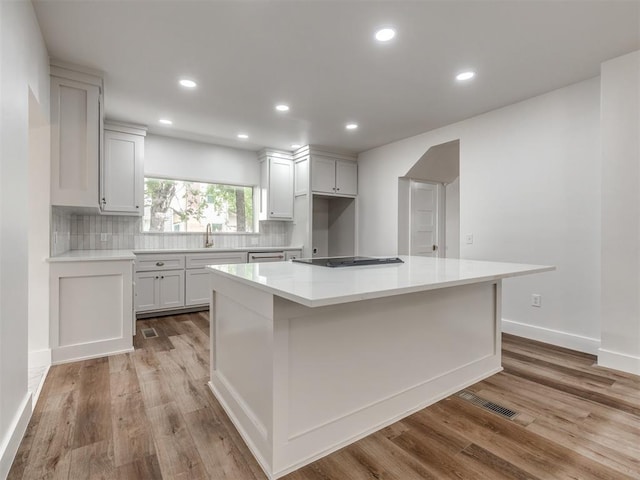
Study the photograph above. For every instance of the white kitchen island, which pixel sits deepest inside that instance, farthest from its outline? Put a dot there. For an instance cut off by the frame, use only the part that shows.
(307, 359)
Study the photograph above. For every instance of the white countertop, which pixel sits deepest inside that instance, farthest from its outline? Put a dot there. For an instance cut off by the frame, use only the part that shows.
(316, 286)
(103, 255)
(93, 256)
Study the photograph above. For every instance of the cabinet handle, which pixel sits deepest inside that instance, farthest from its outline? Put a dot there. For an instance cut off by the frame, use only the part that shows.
(157, 277)
(162, 276)
(262, 258)
(104, 202)
(271, 213)
(137, 206)
(159, 264)
(337, 189)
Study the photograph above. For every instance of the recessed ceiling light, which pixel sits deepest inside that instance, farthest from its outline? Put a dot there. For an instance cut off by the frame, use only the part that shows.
(243, 136)
(185, 82)
(165, 121)
(385, 34)
(351, 126)
(465, 76)
(295, 146)
(282, 107)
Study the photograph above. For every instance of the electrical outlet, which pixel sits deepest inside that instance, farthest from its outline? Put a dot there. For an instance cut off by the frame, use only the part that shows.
(469, 238)
(104, 237)
(536, 300)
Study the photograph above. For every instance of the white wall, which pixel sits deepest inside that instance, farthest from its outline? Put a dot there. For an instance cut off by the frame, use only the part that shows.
(529, 193)
(188, 160)
(39, 231)
(452, 219)
(24, 65)
(621, 213)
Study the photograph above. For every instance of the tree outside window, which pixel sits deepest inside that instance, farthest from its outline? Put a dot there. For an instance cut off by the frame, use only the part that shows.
(181, 206)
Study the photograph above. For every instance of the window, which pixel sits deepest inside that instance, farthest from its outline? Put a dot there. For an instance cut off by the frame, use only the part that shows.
(182, 206)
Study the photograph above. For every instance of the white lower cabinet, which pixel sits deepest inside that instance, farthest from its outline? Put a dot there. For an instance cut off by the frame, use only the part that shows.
(91, 309)
(198, 291)
(171, 289)
(173, 281)
(159, 290)
(147, 291)
(197, 286)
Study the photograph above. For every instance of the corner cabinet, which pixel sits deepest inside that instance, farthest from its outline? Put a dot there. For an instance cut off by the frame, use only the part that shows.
(122, 170)
(276, 185)
(76, 121)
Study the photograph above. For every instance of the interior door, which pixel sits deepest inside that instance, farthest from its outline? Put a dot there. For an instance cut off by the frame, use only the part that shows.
(425, 219)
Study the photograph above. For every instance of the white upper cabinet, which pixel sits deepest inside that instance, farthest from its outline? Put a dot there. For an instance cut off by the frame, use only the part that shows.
(122, 172)
(323, 174)
(276, 185)
(75, 137)
(333, 177)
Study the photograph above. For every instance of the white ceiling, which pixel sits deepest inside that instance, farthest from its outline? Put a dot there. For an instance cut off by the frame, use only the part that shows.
(320, 57)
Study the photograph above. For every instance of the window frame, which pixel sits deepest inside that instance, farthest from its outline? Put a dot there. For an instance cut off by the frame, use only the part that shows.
(255, 193)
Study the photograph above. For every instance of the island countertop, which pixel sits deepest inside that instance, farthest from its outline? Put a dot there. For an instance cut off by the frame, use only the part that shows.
(316, 286)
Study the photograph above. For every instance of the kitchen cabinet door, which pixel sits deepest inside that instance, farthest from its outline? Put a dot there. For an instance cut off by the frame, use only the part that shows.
(172, 289)
(75, 143)
(276, 185)
(122, 173)
(147, 291)
(346, 178)
(280, 189)
(323, 174)
(198, 289)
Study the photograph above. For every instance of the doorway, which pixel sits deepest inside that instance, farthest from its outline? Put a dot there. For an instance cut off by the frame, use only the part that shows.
(427, 233)
(429, 204)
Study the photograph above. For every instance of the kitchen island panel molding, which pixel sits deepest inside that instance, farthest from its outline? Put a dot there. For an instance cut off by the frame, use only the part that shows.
(373, 363)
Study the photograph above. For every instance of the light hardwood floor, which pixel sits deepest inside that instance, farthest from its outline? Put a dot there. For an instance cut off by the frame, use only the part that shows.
(150, 415)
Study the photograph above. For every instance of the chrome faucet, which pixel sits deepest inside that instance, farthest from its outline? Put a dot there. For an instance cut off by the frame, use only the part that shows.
(208, 241)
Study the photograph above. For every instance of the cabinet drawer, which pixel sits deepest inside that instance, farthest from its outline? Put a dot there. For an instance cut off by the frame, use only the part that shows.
(147, 263)
(201, 260)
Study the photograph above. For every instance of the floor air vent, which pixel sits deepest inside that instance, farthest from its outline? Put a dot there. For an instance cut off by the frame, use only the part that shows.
(486, 404)
(149, 332)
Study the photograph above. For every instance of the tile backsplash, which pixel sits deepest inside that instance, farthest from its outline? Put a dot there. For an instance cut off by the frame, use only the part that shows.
(72, 231)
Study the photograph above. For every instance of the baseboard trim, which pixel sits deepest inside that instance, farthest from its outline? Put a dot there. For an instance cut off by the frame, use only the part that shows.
(36, 394)
(91, 356)
(619, 361)
(554, 337)
(40, 358)
(11, 442)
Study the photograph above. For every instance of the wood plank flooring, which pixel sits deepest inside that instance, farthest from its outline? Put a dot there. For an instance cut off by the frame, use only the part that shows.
(150, 415)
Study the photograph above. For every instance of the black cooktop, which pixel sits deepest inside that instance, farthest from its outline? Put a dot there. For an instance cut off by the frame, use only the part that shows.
(348, 261)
